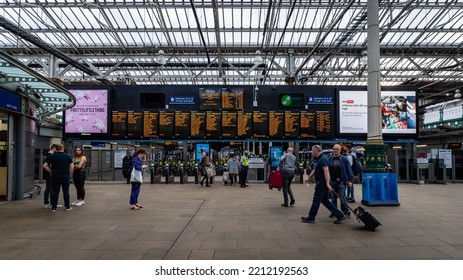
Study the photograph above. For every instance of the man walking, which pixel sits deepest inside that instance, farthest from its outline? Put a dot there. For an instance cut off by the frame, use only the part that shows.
(341, 176)
(288, 165)
(47, 177)
(60, 166)
(322, 188)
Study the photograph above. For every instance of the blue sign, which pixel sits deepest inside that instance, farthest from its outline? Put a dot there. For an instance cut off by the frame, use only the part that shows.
(202, 150)
(320, 100)
(9, 100)
(182, 100)
(275, 154)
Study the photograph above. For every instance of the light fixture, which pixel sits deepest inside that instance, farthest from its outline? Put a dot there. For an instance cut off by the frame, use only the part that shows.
(457, 93)
(258, 60)
(421, 145)
(364, 58)
(161, 59)
(397, 147)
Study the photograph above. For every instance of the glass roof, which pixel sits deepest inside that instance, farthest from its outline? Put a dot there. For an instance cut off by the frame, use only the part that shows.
(215, 41)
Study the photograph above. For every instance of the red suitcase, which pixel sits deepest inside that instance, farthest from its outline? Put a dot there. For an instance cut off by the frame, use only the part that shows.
(275, 180)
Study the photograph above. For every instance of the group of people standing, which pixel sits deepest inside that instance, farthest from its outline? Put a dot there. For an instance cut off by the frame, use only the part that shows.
(58, 168)
(235, 167)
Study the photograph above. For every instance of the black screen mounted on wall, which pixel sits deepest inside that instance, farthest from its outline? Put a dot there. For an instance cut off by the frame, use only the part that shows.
(152, 100)
(292, 100)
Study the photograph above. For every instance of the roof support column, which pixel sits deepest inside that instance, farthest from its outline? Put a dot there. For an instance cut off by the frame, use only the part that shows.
(52, 67)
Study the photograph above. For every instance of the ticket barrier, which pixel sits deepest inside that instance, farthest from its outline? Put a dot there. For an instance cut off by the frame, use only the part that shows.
(156, 172)
(439, 172)
(183, 174)
(169, 175)
(421, 173)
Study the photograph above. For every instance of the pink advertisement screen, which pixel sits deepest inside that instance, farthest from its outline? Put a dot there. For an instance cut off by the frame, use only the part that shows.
(90, 115)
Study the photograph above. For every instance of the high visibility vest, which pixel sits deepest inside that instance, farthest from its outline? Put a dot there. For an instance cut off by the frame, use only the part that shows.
(244, 161)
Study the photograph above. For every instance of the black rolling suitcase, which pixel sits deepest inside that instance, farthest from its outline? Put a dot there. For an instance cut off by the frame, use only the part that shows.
(370, 222)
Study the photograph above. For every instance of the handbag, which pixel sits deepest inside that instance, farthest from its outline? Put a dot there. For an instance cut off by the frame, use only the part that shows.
(136, 176)
(210, 171)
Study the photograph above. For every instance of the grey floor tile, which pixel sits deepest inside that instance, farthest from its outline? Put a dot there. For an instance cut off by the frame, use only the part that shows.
(417, 253)
(224, 254)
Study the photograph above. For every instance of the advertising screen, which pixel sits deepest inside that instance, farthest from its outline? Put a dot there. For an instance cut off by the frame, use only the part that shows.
(275, 154)
(201, 150)
(292, 100)
(90, 114)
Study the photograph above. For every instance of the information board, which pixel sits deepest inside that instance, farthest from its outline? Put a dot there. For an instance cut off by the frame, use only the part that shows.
(150, 124)
(213, 123)
(244, 129)
(307, 125)
(232, 99)
(323, 124)
(260, 124)
(134, 124)
(166, 124)
(228, 124)
(292, 123)
(118, 124)
(209, 99)
(198, 124)
(276, 122)
(182, 124)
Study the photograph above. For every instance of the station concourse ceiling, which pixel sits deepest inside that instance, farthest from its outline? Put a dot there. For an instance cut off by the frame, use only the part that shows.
(246, 42)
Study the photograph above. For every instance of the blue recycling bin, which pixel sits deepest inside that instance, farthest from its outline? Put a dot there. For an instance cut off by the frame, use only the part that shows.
(380, 189)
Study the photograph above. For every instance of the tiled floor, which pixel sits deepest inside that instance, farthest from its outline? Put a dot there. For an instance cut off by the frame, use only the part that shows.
(227, 222)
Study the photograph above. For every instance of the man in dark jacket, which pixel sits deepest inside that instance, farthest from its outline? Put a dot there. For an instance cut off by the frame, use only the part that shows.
(341, 176)
(126, 166)
(47, 177)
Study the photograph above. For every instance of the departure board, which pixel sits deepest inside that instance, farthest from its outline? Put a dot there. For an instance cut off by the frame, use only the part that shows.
(166, 124)
(209, 99)
(244, 129)
(276, 128)
(260, 124)
(118, 124)
(198, 124)
(134, 124)
(232, 99)
(292, 123)
(182, 124)
(323, 124)
(228, 124)
(213, 123)
(307, 127)
(150, 124)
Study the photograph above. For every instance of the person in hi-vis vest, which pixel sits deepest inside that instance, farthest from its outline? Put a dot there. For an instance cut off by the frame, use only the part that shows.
(244, 163)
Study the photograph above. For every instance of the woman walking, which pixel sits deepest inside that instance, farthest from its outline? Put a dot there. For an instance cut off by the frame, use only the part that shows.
(136, 178)
(79, 175)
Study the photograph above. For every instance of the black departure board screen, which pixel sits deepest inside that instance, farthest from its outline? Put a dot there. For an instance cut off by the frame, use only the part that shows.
(276, 123)
(260, 124)
(229, 124)
(292, 123)
(182, 124)
(213, 123)
(323, 124)
(244, 121)
(307, 127)
(209, 99)
(198, 124)
(166, 124)
(232, 99)
(134, 124)
(118, 124)
(150, 124)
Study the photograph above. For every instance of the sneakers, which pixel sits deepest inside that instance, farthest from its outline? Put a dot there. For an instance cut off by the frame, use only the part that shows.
(307, 220)
(284, 204)
(46, 206)
(75, 202)
(339, 220)
(52, 210)
(80, 203)
(68, 209)
(292, 202)
(351, 200)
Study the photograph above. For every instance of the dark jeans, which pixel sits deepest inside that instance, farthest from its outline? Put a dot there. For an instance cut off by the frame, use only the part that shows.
(205, 178)
(350, 191)
(233, 178)
(79, 182)
(48, 189)
(243, 175)
(321, 197)
(288, 176)
(56, 186)
(340, 189)
(134, 193)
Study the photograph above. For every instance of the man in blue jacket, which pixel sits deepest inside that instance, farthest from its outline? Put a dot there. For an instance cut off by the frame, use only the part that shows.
(341, 176)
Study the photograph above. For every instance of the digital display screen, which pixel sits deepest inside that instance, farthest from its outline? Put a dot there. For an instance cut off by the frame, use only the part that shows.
(202, 150)
(292, 100)
(118, 124)
(213, 123)
(307, 125)
(182, 124)
(209, 99)
(275, 154)
(229, 124)
(276, 124)
(166, 124)
(323, 124)
(292, 124)
(232, 99)
(260, 124)
(134, 124)
(150, 124)
(10, 100)
(198, 124)
(90, 114)
(244, 129)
